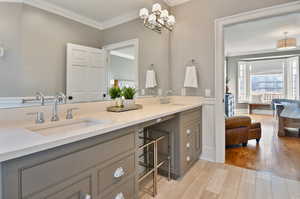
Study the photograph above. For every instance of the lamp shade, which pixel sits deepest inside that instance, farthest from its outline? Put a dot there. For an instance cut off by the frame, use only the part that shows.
(152, 19)
(171, 20)
(164, 14)
(156, 8)
(287, 43)
(144, 13)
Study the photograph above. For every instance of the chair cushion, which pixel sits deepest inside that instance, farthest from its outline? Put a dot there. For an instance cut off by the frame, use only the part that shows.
(237, 122)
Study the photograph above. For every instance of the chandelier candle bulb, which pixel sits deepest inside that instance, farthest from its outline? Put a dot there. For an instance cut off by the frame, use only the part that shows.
(156, 8)
(171, 20)
(164, 15)
(152, 19)
(144, 13)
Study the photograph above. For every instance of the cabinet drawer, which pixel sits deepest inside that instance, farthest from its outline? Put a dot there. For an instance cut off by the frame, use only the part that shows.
(72, 164)
(190, 116)
(188, 133)
(74, 188)
(115, 172)
(188, 159)
(126, 191)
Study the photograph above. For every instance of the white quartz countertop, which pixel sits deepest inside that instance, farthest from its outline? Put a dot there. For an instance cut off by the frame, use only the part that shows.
(17, 141)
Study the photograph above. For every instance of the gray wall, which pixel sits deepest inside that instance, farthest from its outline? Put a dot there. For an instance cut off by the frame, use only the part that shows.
(153, 49)
(40, 66)
(10, 37)
(193, 37)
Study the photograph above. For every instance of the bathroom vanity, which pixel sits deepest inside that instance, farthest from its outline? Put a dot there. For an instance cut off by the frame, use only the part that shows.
(103, 163)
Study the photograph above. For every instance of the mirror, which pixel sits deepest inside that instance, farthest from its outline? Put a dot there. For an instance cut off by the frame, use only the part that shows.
(123, 64)
(43, 54)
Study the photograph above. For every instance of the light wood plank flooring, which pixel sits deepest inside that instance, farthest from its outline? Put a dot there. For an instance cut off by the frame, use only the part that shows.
(207, 180)
(278, 155)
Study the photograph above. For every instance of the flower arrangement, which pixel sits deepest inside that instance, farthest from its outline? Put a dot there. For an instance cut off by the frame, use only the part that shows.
(123, 97)
(128, 92)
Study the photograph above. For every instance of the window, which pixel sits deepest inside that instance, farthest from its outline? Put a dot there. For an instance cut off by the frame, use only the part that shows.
(264, 80)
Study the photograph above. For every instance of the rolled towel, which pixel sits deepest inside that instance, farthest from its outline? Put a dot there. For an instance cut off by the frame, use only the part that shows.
(151, 79)
(191, 79)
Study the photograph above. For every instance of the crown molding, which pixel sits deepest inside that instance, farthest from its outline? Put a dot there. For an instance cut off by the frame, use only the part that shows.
(42, 4)
(173, 3)
(120, 20)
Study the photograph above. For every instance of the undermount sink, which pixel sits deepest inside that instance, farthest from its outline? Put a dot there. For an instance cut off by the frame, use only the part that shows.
(66, 126)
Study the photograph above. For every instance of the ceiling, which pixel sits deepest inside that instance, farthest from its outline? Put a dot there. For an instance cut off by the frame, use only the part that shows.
(260, 35)
(100, 14)
(102, 10)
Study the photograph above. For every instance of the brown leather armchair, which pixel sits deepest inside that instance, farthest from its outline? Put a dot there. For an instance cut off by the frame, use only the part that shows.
(239, 130)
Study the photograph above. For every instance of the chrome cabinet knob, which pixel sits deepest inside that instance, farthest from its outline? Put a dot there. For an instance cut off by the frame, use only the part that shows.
(188, 131)
(119, 172)
(120, 196)
(87, 196)
(188, 145)
(188, 158)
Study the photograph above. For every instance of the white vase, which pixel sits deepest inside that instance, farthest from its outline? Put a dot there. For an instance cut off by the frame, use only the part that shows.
(129, 102)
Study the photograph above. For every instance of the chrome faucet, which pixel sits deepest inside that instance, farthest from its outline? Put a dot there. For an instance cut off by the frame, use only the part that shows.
(59, 99)
(41, 97)
(39, 117)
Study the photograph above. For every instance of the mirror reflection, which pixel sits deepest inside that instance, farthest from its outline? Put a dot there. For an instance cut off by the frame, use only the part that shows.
(44, 56)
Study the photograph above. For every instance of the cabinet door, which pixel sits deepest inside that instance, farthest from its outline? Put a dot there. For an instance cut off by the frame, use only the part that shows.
(71, 190)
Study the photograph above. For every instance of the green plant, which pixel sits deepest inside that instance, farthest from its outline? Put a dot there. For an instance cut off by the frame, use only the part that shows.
(115, 92)
(128, 92)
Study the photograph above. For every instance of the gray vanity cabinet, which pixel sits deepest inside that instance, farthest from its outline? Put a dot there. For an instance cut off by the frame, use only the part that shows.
(189, 139)
(94, 168)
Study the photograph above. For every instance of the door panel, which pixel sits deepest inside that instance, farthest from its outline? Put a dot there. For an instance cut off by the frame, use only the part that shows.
(86, 79)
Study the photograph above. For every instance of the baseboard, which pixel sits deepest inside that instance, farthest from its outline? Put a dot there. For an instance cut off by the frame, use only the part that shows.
(208, 153)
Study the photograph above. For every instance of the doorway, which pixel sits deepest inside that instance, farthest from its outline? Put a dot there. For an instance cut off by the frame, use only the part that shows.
(220, 25)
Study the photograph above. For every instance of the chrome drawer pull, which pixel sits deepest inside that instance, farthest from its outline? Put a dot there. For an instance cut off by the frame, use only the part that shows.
(188, 145)
(188, 158)
(188, 132)
(87, 196)
(119, 172)
(120, 196)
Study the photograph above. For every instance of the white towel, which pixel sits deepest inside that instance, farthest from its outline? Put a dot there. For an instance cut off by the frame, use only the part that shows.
(191, 77)
(151, 79)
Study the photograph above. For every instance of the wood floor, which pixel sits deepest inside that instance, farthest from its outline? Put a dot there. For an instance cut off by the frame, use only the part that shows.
(279, 156)
(207, 180)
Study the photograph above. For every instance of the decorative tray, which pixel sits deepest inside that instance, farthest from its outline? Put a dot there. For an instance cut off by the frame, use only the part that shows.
(125, 108)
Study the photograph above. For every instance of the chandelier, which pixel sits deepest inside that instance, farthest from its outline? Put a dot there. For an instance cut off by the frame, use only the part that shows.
(157, 19)
(287, 43)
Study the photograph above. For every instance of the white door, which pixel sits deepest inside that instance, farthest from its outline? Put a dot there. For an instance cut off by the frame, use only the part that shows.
(86, 79)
